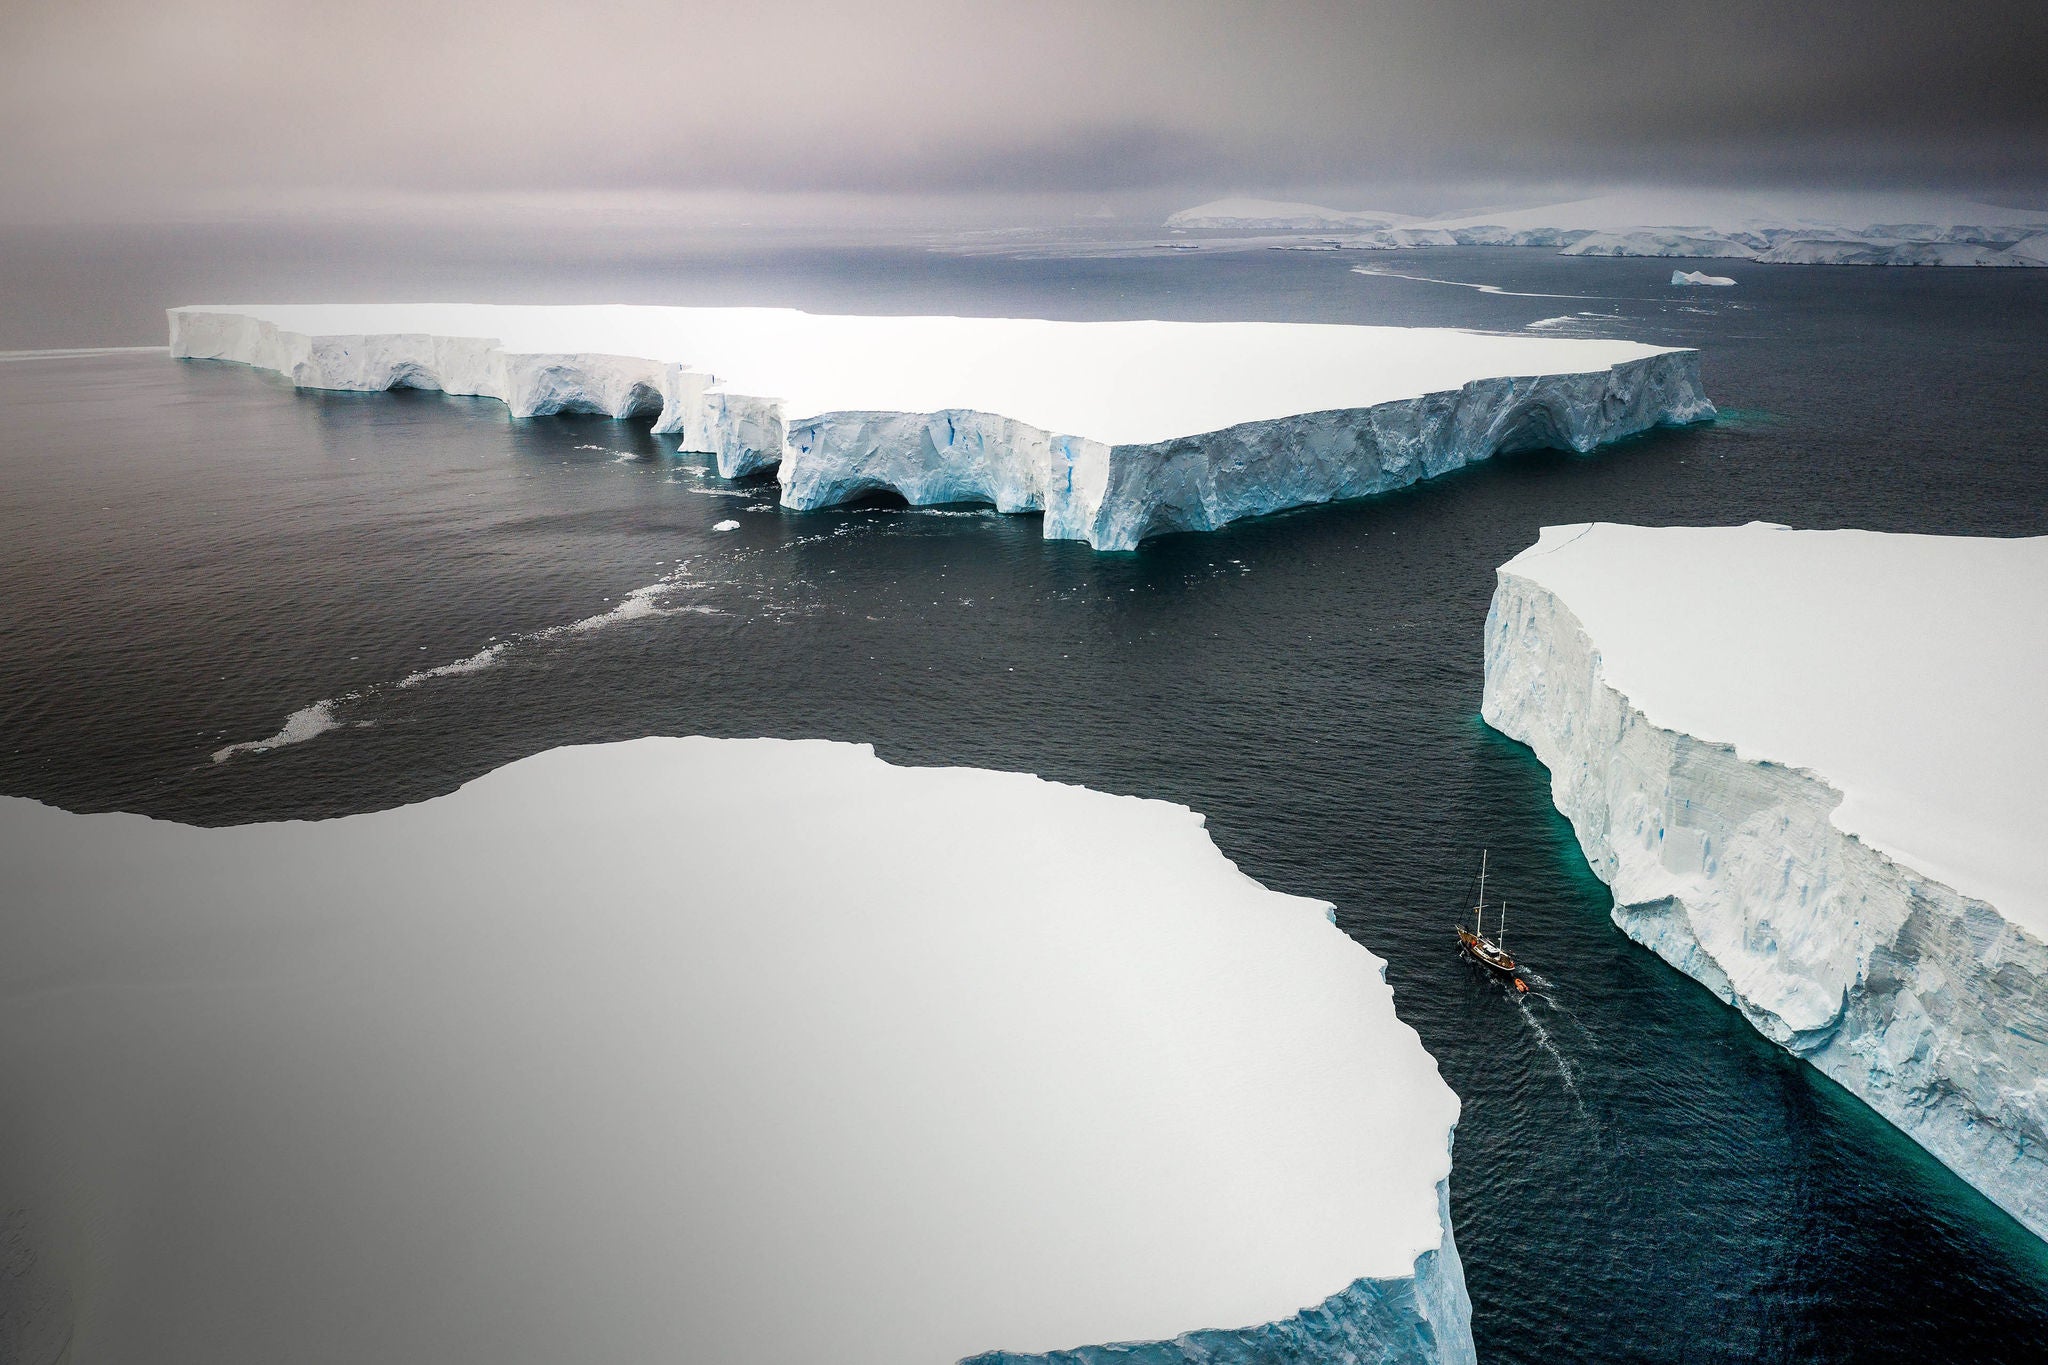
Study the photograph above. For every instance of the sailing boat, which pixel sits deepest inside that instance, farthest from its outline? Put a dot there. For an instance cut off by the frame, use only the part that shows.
(1489, 953)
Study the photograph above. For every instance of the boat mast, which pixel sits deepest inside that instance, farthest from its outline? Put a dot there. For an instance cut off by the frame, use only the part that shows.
(1503, 943)
(1479, 911)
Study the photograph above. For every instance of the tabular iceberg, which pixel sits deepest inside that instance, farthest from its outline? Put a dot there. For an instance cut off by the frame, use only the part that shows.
(1808, 763)
(552, 1068)
(1114, 430)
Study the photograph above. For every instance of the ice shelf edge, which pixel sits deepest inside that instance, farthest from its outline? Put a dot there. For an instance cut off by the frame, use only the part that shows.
(1423, 1319)
(1111, 497)
(1929, 1006)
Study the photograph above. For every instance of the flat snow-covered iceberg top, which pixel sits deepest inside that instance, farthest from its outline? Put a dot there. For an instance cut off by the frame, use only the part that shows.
(1115, 430)
(1903, 670)
(556, 1068)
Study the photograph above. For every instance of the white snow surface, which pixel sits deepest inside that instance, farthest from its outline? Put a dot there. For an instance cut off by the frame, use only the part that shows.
(1903, 670)
(554, 1068)
(1118, 383)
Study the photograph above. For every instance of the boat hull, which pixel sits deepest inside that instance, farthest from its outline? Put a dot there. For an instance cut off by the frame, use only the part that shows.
(1492, 958)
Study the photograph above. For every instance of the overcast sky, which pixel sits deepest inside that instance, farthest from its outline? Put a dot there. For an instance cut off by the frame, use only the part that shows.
(131, 107)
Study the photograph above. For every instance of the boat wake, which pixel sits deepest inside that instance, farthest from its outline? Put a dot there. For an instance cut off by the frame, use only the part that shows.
(1565, 1069)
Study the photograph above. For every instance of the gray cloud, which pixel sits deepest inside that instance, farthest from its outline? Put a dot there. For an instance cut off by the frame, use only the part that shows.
(115, 104)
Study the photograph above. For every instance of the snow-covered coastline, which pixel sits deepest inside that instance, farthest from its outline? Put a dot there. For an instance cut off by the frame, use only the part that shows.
(551, 1068)
(1116, 431)
(1869, 229)
(1805, 763)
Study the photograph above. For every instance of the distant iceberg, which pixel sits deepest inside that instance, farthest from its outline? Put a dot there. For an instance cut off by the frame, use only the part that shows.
(1116, 431)
(551, 1068)
(1808, 763)
(1700, 277)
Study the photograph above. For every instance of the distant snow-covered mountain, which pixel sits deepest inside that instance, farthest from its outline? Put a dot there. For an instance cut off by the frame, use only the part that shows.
(1774, 227)
(1275, 215)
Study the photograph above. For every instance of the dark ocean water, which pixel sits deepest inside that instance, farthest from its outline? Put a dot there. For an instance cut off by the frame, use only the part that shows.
(190, 553)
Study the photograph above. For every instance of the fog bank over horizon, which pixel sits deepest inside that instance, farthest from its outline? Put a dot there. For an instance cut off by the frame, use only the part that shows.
(906, 109)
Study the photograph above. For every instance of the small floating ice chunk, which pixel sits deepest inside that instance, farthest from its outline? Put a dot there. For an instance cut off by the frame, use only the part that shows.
(634, 605)
(1699, 277)
(474, 663)
(727, 525)
(308, 722)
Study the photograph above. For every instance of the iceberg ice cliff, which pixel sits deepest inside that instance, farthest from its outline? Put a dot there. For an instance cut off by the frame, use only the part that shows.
(1115, 431)
(1808, 765)
(1368, 1322)
(551, 1069)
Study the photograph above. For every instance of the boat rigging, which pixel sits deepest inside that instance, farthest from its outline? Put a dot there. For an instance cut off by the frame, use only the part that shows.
(1490, 953)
